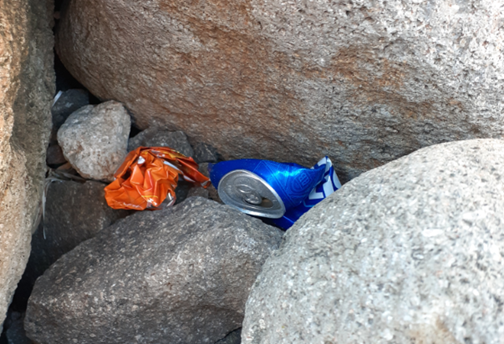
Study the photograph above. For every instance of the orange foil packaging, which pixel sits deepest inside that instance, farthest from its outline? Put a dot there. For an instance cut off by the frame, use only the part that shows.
(148, 176)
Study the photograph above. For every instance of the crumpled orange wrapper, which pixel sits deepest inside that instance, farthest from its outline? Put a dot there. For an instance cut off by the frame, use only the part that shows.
(148, 176)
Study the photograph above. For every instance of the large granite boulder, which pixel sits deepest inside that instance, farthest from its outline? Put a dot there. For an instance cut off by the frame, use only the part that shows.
(26, 90)
(74, 212)
(361, 81)
(180, 275)
(411, 252)
(94, 139)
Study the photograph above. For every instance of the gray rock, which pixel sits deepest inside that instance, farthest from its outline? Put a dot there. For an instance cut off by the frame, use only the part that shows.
(27, 87)
(198, 192)
(141, 138)
(179, 275)
(68, 102)
(203, 168)
(55, 155)
(363, 81)
(94, 139)
(204, 153)
(411, 252)
(74, 212)
(176, 140)
(232, 338)
(212, 190)
(15, 333)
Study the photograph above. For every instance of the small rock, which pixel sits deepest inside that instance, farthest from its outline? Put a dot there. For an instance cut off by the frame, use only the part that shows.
(179, 275)
(67, 169)
(176, 140)
(204, 153)
(68, 102)
(94, 139)
(55, 155)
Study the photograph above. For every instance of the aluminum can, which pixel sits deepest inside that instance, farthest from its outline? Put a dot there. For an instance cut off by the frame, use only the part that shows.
(278, 191)
(261, 187)
(323, 189)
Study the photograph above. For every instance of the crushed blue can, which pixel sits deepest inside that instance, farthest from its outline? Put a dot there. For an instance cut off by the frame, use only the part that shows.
(282, 192)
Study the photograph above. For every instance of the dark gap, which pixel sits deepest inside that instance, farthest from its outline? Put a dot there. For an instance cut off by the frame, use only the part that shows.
(66, 81)
(57, 5)
(134, 131)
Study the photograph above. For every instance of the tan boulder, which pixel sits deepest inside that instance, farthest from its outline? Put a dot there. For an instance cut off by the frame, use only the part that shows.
(26, 90)
(362, 81)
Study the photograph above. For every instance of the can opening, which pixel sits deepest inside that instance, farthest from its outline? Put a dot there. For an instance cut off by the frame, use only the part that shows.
(250, 194)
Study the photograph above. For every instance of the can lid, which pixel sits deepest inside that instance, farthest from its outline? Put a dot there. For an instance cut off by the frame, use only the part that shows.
(251, 194)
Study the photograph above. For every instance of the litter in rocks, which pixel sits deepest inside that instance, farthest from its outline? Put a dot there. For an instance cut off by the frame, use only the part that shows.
(148, 176)
(282, 192)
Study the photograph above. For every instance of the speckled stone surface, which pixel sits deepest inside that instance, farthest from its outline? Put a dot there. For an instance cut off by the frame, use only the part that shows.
(153, 137)
(27, 86)
(74, 212)
(180, 275)
(94, 139)
(363, 81)
(205, 153)
(68, 102)
(197, 191)
(212, 189)
(232, 338)
(411, 252)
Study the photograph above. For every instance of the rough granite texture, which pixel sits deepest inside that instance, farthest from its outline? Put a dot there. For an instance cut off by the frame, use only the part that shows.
(161, 138)
(94, 139)
(26, 89)
(68, 102)
(180, 275)
(411, 252)
(363, 81)
(140, 138)
(232, 338)
(74, 212)
(212, 189)
(205, 153)
(197, 191)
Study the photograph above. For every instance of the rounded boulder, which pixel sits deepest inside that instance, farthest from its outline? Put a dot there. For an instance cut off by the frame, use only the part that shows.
(411, 252)
(94, 139)
(364, 82)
